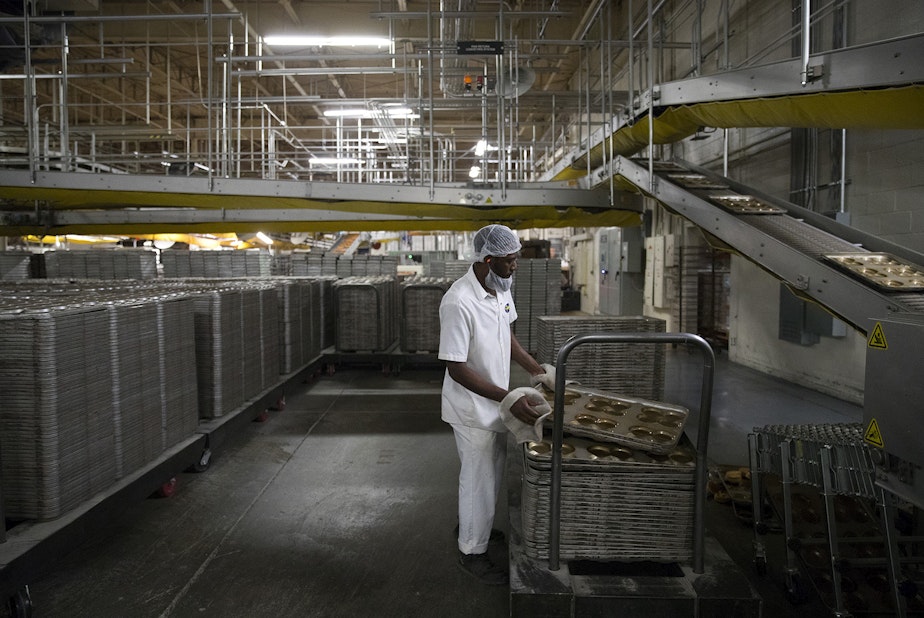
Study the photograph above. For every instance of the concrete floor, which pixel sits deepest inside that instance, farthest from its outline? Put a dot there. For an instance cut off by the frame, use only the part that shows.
(343, 505)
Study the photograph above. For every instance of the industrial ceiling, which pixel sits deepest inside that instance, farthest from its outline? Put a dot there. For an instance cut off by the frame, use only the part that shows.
(159, 116)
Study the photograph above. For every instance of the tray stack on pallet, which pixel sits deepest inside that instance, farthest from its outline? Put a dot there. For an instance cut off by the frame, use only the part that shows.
(420, 324)
(367, 309)
(229, 323)
(127, 264)
(176, 347)
(82, 407)
(451, 269)
(536, 293)
(294, 323)
(617, 503)
(631, 369)
(15, 265)
(213, 264)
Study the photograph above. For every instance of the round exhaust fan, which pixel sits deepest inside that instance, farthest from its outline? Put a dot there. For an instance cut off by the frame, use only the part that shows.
(516, 81)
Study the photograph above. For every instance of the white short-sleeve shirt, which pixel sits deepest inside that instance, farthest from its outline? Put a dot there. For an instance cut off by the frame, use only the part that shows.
(475, 329)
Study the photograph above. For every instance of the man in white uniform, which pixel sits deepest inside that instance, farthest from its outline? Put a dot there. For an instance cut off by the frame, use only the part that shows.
(477, 345)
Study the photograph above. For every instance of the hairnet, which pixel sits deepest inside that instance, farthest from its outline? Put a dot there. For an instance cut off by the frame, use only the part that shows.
(495, 240)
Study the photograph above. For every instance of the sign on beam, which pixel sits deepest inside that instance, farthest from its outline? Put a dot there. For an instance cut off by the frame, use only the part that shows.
(480, 48)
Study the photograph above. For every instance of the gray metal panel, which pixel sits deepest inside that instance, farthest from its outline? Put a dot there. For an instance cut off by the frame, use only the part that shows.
(843, 295)
(890, 63)
(891, 398)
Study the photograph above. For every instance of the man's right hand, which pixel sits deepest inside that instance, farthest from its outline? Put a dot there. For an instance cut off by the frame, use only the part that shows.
(524, 410)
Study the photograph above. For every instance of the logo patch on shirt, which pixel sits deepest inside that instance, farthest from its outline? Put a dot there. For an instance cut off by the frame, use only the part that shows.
(507, 308)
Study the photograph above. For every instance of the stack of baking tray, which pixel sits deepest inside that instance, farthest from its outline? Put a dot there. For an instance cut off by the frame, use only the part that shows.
(420, 323)
(123, 264)
(367, 310)
(57, 437)
(14, 265)
(536, 293)
(136, 385)
(233, 321)
(326, 305)
(451, 269)
(344, 266)
(269, 335)
(632, 369)
(617, 503)
(219, 351)
(294, 323)
(251, 334)
(176, 346)
(852, 470)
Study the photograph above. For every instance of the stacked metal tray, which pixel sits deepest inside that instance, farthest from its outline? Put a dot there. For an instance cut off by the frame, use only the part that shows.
(295, 323)
(883, 270)
(82, 407)
(15, 265)
(420, 315)
(536, 293)
(367, 310)
(123, 264)
(636, 370)
(642, 424)
(617, 503)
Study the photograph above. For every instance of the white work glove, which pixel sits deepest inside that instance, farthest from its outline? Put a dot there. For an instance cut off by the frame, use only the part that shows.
(546, 379)
(524, 432)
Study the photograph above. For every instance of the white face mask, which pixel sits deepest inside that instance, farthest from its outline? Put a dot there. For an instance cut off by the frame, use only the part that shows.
(498, 284)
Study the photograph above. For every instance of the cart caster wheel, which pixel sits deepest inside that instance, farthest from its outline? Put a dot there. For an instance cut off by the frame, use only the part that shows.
(203, 464)
(280, 404)
(167, 489)
(21, 603)
(796, 592)
(262, 417)
(760, 566)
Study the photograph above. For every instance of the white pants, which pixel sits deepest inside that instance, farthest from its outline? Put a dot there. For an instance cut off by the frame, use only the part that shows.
(482, 455)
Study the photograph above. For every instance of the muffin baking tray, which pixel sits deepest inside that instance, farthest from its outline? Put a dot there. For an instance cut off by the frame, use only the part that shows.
(745, 204)
(616, 502)
(692, 180)
(629, 421)
(883, 270)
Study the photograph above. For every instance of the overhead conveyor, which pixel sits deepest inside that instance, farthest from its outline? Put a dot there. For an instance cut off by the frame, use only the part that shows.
(794, 244)
(52, 202)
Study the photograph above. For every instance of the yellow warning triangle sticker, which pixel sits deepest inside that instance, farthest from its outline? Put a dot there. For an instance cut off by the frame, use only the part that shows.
(489, 201)
(873, 435)
(877, 338)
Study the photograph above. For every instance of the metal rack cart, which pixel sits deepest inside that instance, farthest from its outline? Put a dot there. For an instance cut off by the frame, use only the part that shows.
(701, 438)
(831, 458)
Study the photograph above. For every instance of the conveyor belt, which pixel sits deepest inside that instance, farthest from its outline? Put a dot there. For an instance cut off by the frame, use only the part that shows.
(791, 246)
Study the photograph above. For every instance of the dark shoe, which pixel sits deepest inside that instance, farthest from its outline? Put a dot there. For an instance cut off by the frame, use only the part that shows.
(481, 568)
(497, 536)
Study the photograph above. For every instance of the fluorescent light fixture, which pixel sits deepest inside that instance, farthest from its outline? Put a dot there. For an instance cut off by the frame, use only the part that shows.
(360, 112)
(326, 41)
(332, 161)
(266, 240)
(482, 147)
(474, 172)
